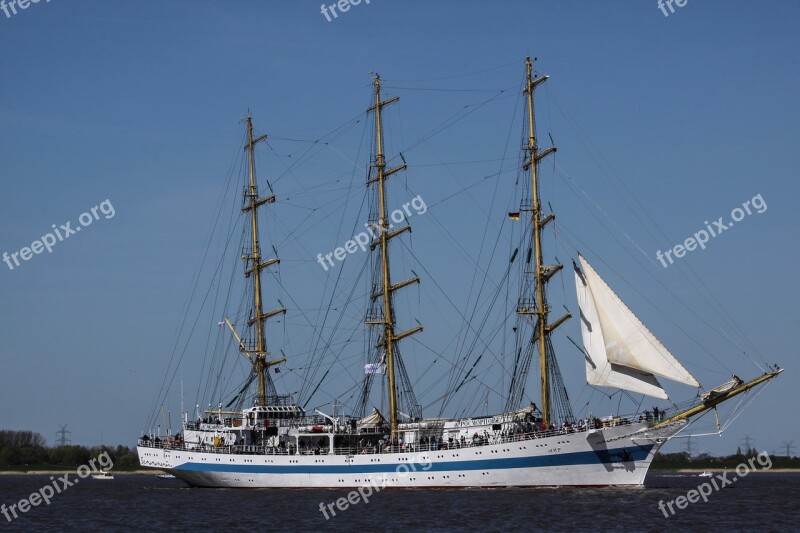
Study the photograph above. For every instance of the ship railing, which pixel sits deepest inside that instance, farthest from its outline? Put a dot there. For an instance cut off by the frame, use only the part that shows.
(477, 440)
(370, 430)
(272, 422)
(346, 429)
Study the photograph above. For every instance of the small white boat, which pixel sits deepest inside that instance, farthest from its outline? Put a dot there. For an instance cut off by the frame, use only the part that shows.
(165, 476)
(103, 475)
(705, 474)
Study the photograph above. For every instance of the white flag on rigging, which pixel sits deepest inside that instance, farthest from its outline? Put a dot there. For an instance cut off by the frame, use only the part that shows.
(373, 368)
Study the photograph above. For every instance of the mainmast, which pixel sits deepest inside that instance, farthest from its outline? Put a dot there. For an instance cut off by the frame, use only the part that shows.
(253, 268)
(542, 272)
(388, 339)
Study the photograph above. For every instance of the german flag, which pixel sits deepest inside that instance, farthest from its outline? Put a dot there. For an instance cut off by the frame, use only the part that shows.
(514, 216)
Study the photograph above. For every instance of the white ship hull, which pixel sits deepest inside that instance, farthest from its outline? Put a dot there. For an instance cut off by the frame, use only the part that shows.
(610, 456)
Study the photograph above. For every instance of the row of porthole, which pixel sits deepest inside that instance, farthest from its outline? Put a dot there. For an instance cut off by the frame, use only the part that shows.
(432, 478)
(395, 480)
(250, 460)
(544, 445)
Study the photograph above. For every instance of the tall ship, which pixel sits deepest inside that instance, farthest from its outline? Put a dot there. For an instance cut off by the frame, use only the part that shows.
(536, 440)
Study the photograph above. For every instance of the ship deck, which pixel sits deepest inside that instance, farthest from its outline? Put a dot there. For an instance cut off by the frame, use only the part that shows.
(479, 440)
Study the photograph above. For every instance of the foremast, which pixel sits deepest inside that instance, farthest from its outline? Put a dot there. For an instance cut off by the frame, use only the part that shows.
(542, 273)
(388, 338)
(713, 401)
(253, 267)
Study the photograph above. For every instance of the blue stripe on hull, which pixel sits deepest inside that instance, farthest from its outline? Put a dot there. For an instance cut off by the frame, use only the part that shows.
(564, 459)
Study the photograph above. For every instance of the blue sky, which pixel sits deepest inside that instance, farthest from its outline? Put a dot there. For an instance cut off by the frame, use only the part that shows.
(663, 122)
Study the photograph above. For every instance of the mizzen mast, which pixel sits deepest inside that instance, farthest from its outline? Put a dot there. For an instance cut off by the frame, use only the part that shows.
(388, 339)
(253, 267)
(542, 273)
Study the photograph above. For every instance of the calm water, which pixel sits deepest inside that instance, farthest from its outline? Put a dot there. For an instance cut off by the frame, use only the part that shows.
(760, 502)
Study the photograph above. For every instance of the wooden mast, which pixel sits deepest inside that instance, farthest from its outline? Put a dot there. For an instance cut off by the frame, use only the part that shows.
(254, 266)
(541, 272)
(389, 338)
(712, 402)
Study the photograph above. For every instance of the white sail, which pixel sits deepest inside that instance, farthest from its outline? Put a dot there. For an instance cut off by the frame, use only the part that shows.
(620, 351)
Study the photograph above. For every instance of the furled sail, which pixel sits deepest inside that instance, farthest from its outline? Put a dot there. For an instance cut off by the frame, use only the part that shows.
(620, 351)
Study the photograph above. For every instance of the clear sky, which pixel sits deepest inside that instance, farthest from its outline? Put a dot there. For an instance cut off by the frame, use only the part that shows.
(664, 122)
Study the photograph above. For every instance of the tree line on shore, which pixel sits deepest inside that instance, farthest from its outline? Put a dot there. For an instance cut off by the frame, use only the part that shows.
(670, 461)
(27, 448)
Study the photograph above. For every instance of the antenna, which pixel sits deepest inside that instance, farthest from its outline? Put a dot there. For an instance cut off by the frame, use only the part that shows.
(182, 410)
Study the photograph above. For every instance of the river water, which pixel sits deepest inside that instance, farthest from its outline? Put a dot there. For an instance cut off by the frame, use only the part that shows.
(758, 502)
